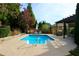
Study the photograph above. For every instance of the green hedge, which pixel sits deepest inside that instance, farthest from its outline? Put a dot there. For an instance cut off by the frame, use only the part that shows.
(75, 52)
(4, 31)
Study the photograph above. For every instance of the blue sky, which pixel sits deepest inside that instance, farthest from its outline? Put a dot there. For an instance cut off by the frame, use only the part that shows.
(51, 12)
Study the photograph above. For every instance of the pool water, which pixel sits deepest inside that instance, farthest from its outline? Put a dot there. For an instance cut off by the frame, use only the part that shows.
(36, 39)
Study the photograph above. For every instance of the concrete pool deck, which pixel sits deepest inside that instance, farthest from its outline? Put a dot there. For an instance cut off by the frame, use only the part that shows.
(13, 46)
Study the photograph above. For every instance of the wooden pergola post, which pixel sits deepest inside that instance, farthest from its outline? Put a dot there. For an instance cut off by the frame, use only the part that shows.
(56, 28)
(64, 29)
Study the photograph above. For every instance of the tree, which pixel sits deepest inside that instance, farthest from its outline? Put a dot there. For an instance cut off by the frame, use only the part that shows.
(3, 14)
(77, 25)
(34, 26)
(30, 16)
(13, 12)
(22, 23)
(44, 27)
(39, 26)
(27, 19)
(9, 14)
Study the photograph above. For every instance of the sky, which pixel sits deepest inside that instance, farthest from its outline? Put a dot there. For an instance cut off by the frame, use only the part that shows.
(51, 12)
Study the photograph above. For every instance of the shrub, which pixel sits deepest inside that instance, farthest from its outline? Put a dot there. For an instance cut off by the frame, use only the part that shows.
(4, 31)
(45, 28)
(15, 32)
(72, 31)
(75, 52)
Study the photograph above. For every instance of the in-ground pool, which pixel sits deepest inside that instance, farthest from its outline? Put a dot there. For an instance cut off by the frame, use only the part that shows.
(37, 39)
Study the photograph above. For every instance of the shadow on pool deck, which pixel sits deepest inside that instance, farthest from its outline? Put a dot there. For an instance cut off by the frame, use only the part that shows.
(61, 51)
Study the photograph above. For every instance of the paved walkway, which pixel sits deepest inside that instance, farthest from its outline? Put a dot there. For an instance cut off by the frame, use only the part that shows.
(15, 47)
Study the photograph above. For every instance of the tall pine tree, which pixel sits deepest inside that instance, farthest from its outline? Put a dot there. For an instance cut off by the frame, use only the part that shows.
(30, 16)
(27, 19)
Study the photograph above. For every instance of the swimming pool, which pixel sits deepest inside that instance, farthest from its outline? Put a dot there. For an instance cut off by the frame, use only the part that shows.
(37, 39)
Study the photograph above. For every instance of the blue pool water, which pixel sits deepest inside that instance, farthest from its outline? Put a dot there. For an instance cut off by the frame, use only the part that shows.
(36, 39)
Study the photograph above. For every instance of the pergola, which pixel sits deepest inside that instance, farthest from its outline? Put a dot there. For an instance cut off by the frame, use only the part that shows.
(67, 20)
(70, 19)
